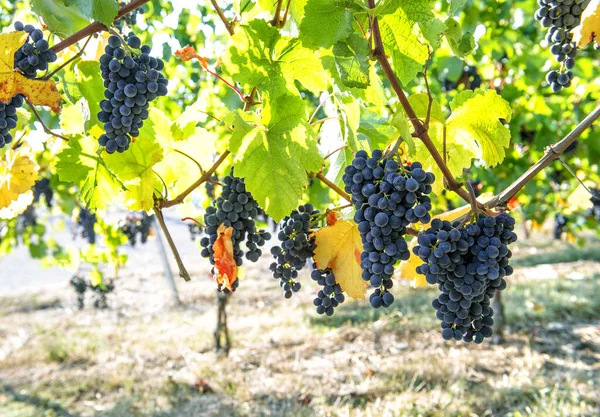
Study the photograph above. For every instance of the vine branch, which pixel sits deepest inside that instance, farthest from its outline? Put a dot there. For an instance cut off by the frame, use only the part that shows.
(226, 22)
(183, 273)
(553, 152)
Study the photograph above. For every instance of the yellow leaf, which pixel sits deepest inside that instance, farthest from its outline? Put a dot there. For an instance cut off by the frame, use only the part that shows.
(408, 269)
(589, 28)
(12, 82)
(17, 175)
(339, 248)
(579, 199)
(17, 206)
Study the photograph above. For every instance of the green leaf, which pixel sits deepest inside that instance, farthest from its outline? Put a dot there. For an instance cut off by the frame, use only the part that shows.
(461, 44)
(90, 84)
(249, 57)
(104, 11)
(72, 166)
(326, 22)
(274, 164)
(401, 123)
(352, 61)
(455, 6)
(475, 121)
(61, 17)
(283, 113)
(401, 39)
(134, 167)
(258, 56)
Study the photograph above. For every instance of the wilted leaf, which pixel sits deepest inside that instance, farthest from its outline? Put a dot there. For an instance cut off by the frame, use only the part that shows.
(339, 247)
(589, 28)
(225, 265)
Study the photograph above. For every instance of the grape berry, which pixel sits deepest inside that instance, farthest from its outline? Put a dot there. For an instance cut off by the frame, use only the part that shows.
(8, 119)
(132, 79)
(468, 264)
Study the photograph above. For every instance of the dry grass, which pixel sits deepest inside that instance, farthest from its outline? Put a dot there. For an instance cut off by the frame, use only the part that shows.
(143, 358)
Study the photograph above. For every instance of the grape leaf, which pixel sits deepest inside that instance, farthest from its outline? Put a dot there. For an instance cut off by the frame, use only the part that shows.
(17, 206)
(473, 130)
(462, 44)
(589, 28)
(258, 56)
(60, 16)
(72, 165)
(104, 11)
(401, 39)
(90, 85)
(352, 61)
(274, 162)
(475, 122)
(339, 247)
(326, 22)
(135, 167)
(18, 173)
(38, 92)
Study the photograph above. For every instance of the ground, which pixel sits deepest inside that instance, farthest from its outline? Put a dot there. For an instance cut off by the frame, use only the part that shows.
(145, 357)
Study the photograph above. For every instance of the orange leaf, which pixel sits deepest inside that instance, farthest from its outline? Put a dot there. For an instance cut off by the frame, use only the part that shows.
(332, 218)
(12, 82)
(188, 52)
(225, 266)
(339, 248)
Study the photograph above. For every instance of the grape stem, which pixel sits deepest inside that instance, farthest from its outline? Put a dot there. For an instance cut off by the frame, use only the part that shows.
(574, 174)
(277, 14)
(420, 130)
(46, 129)
(553, 152)
(192, 159)
(96, 26)
(334, 187)
(68, 61)
(205, 177)
(226, 22)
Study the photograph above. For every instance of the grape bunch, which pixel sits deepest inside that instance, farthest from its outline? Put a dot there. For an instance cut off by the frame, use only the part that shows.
(331, 295)
(560, 17)
(387, 197)
(35, 54)
(80, 286)
(595, 199)
(8, 119)
(234, 208)
(560, 223)
(132, 79)
(129, 18)
(296, 246)
(136, 224)
(42, 187)
(468, 264)
(86, 221)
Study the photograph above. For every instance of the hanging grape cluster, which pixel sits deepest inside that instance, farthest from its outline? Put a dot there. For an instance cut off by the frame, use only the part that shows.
(331, 295)
(35, 54)
(236, 208)
(132, 79)
(387, 197)
(85, 222)
(560, 17)
(42, 188)
(136, 224)
(8, 119)
(295, 248)
(468, 264)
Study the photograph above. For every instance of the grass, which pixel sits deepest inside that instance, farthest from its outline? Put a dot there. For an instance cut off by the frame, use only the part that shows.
(288, 361)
